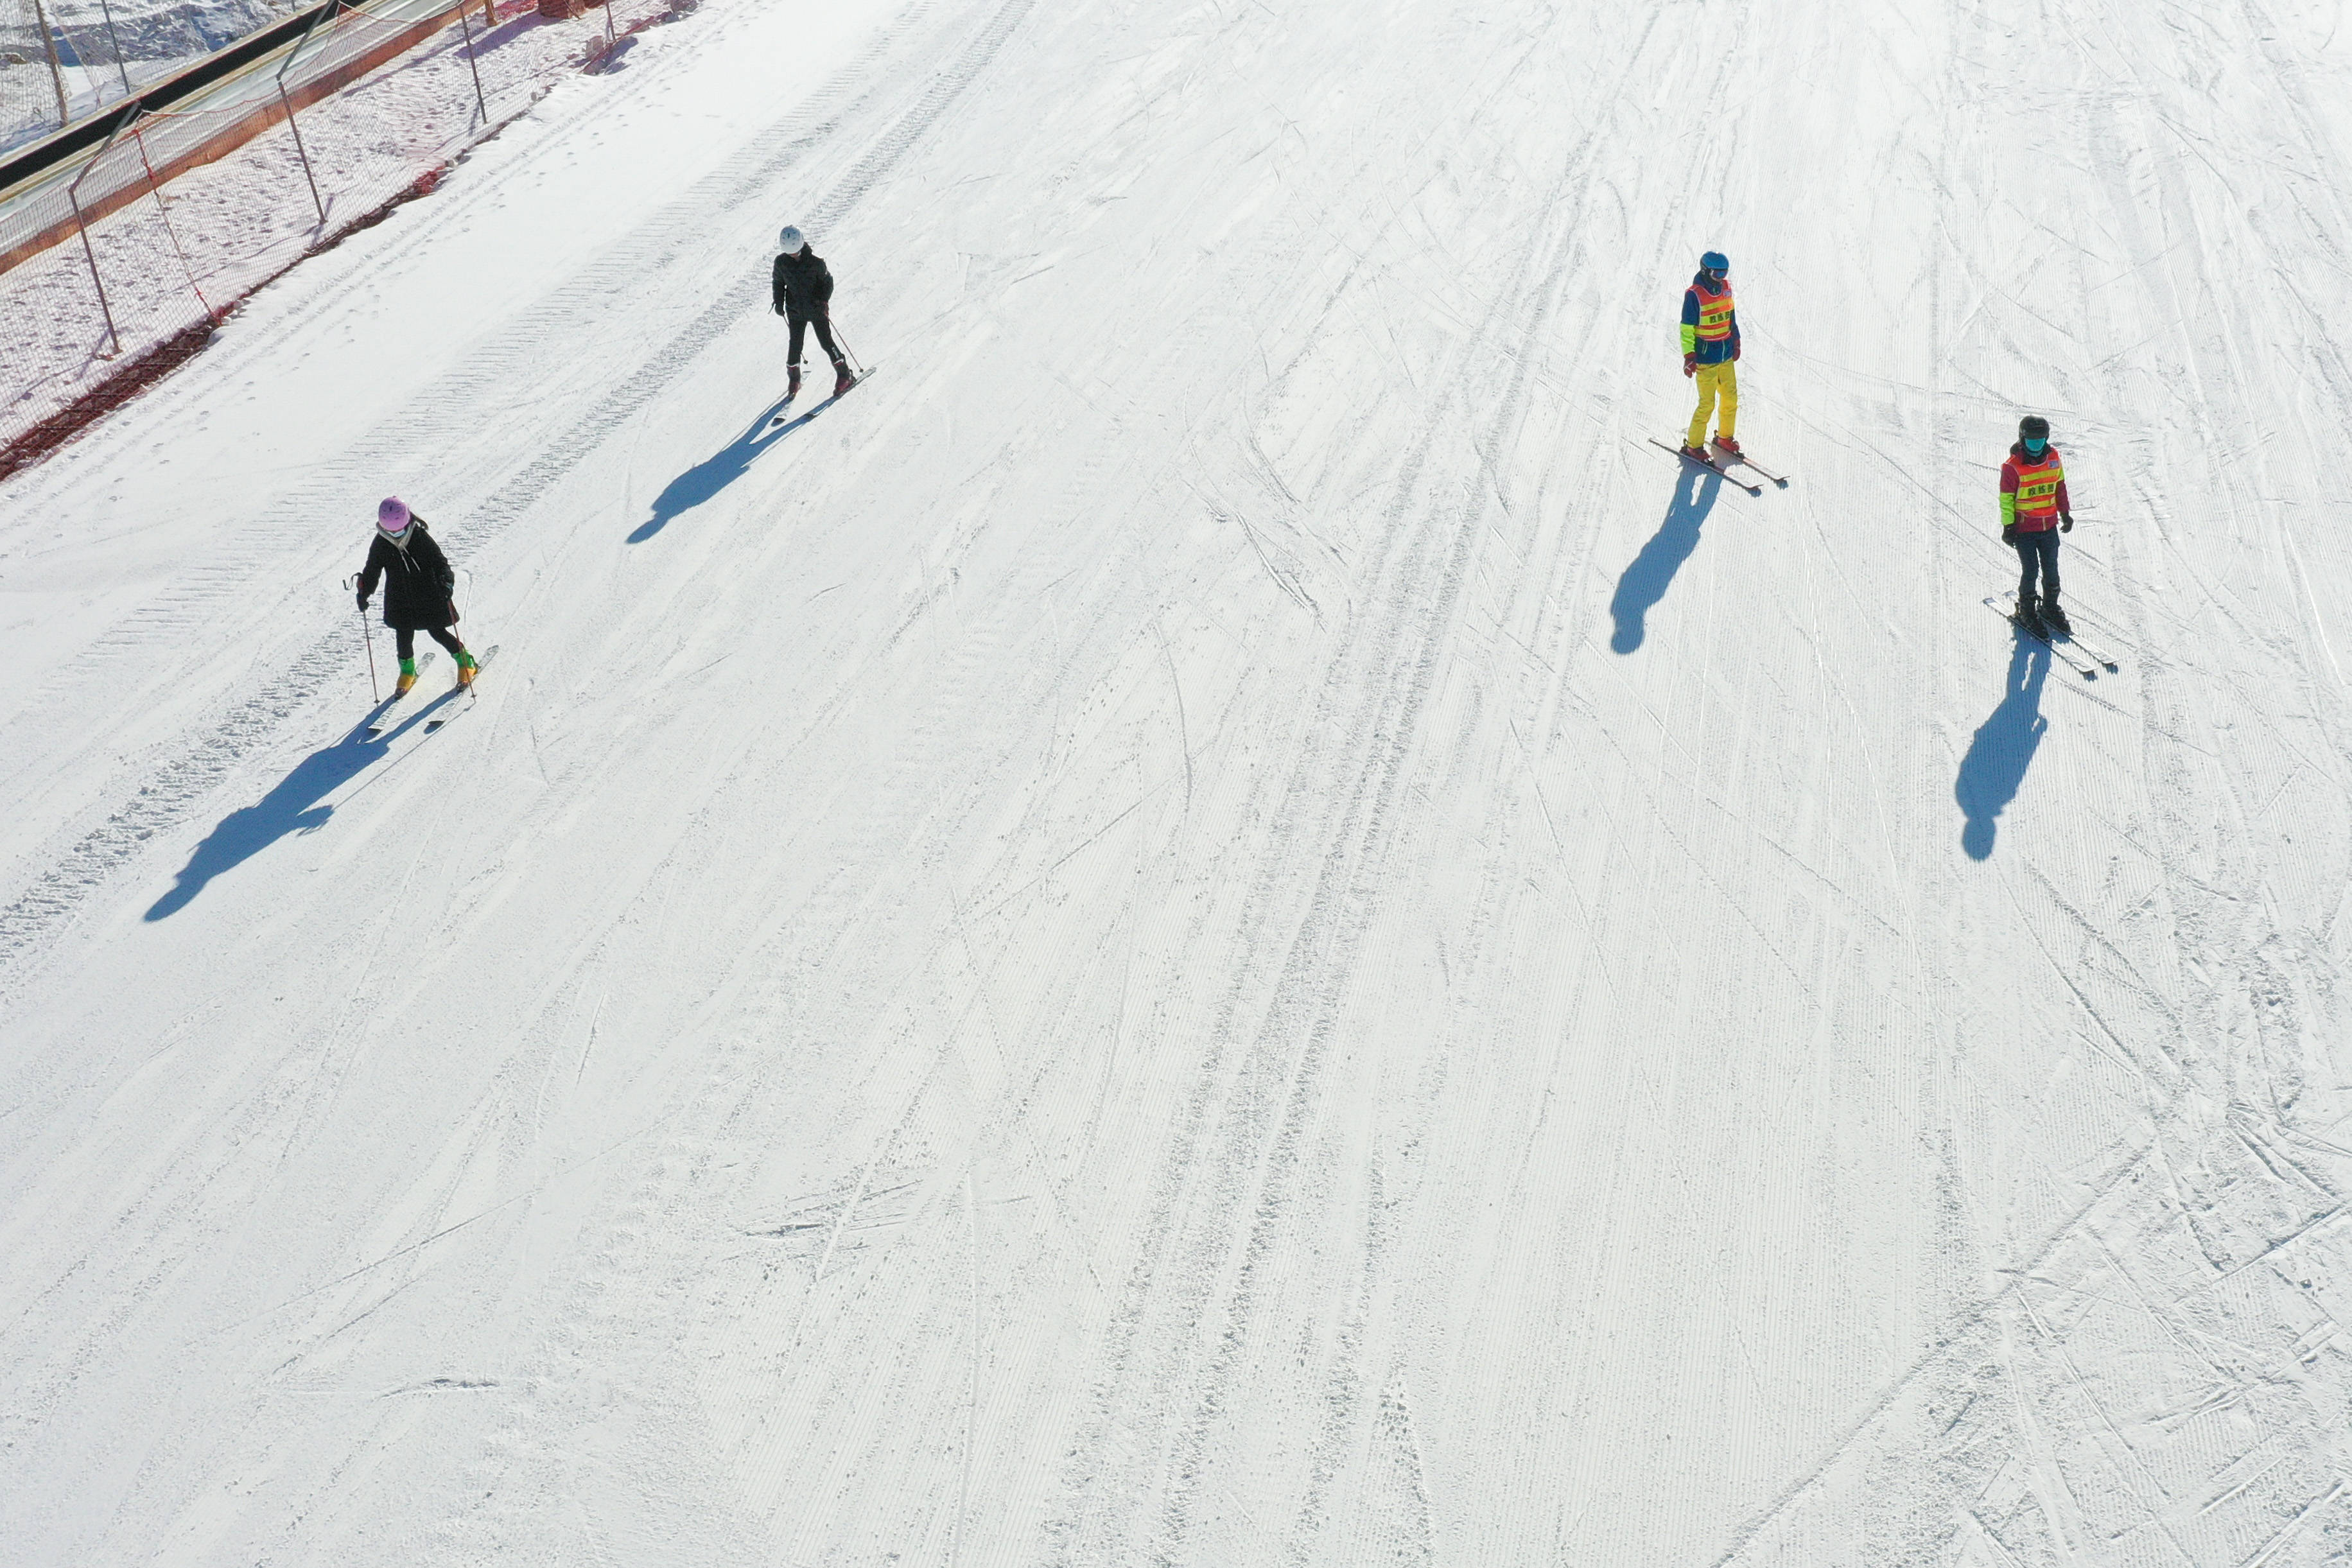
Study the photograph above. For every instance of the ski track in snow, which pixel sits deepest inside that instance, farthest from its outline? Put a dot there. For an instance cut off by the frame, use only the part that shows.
(1221, 922)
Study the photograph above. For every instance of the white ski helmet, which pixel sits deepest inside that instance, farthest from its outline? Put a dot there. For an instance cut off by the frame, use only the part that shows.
(793, 240)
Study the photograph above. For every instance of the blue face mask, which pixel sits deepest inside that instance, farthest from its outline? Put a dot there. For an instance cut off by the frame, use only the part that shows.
(2034, 449)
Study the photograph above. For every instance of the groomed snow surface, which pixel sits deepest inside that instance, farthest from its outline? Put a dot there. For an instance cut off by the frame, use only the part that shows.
(1220, 922)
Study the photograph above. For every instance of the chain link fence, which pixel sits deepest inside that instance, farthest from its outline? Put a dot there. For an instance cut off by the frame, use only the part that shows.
(62, 60)
(126, 259)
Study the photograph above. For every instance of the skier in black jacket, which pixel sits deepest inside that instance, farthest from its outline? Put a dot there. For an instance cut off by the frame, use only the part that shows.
(417, 586)
(802, 294)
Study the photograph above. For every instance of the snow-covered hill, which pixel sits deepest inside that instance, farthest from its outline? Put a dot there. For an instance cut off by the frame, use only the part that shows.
(1220, 921)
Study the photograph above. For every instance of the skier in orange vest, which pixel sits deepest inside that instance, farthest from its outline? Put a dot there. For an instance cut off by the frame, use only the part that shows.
(2034, 511)
(1710, 347)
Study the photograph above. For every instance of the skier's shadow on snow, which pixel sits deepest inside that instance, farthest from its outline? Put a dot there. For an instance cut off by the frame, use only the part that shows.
(291, 807)
(2003, 747)
(718, 470)
(1646, 580)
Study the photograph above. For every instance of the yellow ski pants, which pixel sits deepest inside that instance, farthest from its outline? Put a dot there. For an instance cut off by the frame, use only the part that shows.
(1715, 381)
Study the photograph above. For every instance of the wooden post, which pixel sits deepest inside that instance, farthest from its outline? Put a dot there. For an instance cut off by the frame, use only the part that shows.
(56, 75)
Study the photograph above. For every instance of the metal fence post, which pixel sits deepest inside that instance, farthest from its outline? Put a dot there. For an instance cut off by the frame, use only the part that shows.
(285, 100)
(73, 194)
(466, 20)
(115, 39)
(56, 74)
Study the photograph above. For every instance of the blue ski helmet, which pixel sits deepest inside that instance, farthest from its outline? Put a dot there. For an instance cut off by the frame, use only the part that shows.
(1715, 261)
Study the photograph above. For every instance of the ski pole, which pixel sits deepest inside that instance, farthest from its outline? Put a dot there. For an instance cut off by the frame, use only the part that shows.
(850, 351)
(367, 635)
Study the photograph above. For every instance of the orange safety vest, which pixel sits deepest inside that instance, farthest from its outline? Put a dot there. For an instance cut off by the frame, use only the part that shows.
(1714, 315)
(2037, 483)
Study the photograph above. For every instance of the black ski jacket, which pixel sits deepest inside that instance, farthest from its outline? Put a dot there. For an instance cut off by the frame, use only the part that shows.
(417, 582)
(804, 286)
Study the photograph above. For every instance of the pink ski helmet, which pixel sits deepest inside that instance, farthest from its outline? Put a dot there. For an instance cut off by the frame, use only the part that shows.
(392, 514)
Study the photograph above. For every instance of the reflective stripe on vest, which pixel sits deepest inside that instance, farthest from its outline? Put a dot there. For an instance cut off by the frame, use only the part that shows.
(2037, 484)
(1713, 315)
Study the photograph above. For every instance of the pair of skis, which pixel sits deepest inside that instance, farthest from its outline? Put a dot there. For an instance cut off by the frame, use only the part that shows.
(1722, 470)
(860, 379)
(473, 696)
(381, 719)
(2087, 659)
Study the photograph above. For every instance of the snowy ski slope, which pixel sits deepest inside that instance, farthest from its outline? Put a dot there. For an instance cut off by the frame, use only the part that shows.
(1219, 921)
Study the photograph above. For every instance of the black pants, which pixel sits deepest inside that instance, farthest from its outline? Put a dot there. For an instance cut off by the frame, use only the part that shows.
(2038, 547)
(823, 336)
(405, 639)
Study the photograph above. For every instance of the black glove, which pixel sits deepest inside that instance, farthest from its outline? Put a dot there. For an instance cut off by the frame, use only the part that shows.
(2066, 523)
(363, 601)
(2008, 534)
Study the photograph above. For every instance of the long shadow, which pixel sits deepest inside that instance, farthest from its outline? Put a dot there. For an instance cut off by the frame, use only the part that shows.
(2003, 747)
(1645, 582)
(291, 807)
(719, 469)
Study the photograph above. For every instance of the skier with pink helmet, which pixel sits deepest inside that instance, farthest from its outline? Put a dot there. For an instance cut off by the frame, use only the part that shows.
(418, 589)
